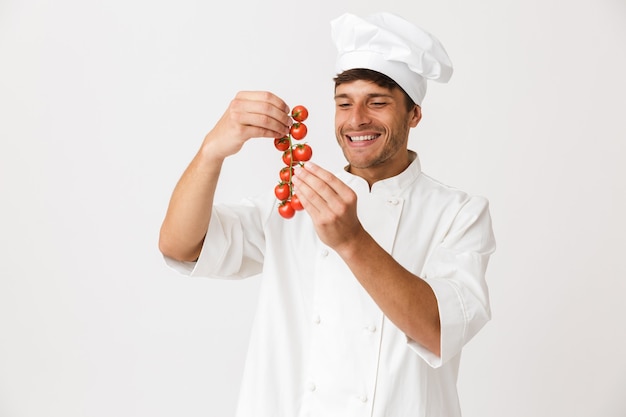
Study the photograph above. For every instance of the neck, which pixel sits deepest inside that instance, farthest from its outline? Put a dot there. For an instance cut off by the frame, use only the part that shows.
(383, 171)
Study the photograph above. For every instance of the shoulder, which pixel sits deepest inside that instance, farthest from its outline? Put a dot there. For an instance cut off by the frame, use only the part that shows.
(432, 191)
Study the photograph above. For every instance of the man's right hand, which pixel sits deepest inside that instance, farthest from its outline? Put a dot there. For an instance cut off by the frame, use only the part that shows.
(251, 114)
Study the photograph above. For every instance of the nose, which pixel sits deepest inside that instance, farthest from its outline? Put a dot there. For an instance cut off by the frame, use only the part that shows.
(359, 116)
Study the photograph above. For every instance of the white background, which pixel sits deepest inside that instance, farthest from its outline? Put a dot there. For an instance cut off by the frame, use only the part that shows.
(103, 104)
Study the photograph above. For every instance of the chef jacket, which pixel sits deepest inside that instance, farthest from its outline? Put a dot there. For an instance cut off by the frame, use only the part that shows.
(320, 346)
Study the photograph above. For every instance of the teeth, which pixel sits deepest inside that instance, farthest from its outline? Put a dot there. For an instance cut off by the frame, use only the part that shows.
(362, 138)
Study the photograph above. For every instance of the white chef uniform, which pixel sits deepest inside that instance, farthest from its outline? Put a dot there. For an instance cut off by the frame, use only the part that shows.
(320, 346)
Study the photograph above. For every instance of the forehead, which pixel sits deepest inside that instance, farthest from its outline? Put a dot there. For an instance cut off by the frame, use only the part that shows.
(363, 88)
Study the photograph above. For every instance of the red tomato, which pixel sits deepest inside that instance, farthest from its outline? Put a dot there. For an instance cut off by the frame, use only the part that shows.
(295, 203)
(287, 158)
(285, 210)
(282, 191)
(299, 113)
(302, 153)
(282, 144)
(286, 174)
(298, 130)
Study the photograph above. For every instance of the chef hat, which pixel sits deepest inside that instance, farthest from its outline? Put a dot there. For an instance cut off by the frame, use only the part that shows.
(388, 44)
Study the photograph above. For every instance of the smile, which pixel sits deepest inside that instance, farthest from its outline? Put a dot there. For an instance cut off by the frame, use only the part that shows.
(362, 138)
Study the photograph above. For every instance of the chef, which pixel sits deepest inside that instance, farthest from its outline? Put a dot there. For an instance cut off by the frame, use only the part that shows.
(368, 297)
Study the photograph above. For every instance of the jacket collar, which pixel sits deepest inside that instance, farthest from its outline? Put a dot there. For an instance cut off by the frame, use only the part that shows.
(388, 186)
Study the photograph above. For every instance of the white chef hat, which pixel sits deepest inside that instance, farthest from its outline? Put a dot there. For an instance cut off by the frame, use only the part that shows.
(389, 44)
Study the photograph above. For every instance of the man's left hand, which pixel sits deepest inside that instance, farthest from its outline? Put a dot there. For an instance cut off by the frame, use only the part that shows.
(331, 205)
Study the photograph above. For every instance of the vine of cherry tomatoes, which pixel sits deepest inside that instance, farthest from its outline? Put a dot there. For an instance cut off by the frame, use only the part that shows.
(292, 154)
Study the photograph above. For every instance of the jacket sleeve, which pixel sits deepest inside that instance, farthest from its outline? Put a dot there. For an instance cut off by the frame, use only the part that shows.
(455, 270)
(233, 246)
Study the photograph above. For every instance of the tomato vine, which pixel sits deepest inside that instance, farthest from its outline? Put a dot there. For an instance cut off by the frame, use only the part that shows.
(292, 154)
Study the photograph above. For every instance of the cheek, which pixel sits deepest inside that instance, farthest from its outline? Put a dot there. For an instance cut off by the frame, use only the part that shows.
(339, 137)
(339, 123)
(338, 120)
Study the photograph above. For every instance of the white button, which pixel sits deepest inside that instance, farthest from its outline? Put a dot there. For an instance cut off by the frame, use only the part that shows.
(371, 328)
(362, 398)
(393, 201)
(311, 386)
(316, 319)
(325, 253)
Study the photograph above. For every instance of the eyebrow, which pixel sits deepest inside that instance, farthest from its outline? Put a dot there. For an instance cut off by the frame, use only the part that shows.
(371, 95)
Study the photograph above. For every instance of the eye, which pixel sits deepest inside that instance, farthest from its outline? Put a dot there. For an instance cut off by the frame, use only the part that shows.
(343, 105)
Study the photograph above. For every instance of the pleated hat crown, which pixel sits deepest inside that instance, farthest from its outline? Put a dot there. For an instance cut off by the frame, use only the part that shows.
(391, 45)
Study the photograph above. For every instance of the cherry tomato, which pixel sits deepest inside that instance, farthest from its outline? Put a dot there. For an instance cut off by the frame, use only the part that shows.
(295, 202)
(302, 153)
(299, 113)
(286, 173)
(282, 191)
(298, 130)
(287, 158)
(282, 144)
(286, 210)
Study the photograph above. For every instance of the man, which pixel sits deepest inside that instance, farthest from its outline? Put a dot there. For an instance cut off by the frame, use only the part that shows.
(383, 282)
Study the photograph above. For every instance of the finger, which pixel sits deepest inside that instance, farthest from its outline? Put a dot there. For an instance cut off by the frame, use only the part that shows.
(262, 125)
(265, 103)
(328, 185)
(262, 115)
(310, 199)
(319, 190)
(264, 96)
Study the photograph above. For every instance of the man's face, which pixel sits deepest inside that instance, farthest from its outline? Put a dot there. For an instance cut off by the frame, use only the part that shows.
(372, 127)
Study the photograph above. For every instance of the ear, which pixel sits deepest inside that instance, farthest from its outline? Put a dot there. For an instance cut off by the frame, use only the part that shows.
(416, 116)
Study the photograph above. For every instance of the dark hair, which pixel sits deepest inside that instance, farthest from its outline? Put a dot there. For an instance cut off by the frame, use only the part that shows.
(376, 77)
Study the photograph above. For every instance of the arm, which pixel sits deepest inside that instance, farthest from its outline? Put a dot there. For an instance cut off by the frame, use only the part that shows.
(250, 114)
(406, 299)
